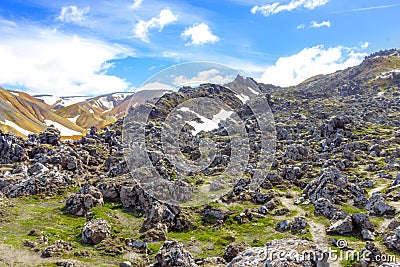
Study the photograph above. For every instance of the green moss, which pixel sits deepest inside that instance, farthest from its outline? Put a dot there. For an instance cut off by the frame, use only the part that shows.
(350, 262)
(351, 209)
(214, 241)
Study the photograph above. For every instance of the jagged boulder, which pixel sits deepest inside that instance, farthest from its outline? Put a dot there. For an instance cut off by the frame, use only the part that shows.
(283, 226)
(172, 254)
(57, 248)
(68, 162)
(332, 185)
(260, 198)
(48, 183)
(86, 198)
(362, 222)
(291, 173)
(110, 188)
(37, 169)
(377, 206)
(397, 180)
(133, 196)
(323, 207)
(343, 226)
(51, 136)
(393, 225)
(232, 250)
(159, 213)
(210, 215)
(392, 239)
(95, 231)
(298, 224)
(296, 152)
(330, 127)
(10, 150)
(116, 166)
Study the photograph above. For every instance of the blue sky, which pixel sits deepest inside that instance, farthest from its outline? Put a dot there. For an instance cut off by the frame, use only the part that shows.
(91, 47)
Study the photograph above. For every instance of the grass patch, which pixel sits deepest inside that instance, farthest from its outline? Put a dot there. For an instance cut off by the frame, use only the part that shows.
(46, 216)
(350, 209)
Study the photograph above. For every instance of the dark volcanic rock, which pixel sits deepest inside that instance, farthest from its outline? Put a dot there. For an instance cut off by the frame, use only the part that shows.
(323, 207)
(57, 249)
(343, 226)
(283, 226)
(392, 239)
(48, 182)
(378, 207)
(232, 250)
(51, 136)
(95, 231)
(332, 185)
(172, 254)
(86, 198)
(10, 149)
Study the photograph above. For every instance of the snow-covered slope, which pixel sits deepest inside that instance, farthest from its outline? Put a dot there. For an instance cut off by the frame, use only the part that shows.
(59, 102)
(23, 114)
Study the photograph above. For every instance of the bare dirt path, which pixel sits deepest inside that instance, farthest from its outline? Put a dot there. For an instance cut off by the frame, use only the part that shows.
(13, 257)
(317, 229)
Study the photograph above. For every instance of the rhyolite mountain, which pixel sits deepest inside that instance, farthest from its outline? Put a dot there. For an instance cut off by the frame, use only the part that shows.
(22, 114)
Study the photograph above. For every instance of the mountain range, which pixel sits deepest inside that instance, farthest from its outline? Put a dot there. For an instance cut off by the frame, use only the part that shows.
(23, 114)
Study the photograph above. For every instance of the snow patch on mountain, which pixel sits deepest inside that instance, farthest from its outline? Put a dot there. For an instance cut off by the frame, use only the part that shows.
(252, 90)
(206, 124)
(243, 98)
(74, 119)
(63, 130)
(14, 93)
(16, 127)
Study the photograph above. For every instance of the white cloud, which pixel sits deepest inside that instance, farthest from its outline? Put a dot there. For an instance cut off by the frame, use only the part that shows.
(7, 23)
(311, 4)
(142, 28)
(309, 62)
(300, 27)
(170, 54)
(207, 76)
(275, 8)
(73, 14)
(199, 34)
(315, 24)
(58, 64)
(156, 86)
(136, 4)
(364, 45)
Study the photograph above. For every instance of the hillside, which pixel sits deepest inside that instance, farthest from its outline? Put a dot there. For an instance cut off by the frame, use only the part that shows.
(77, 113)
(372, 75)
